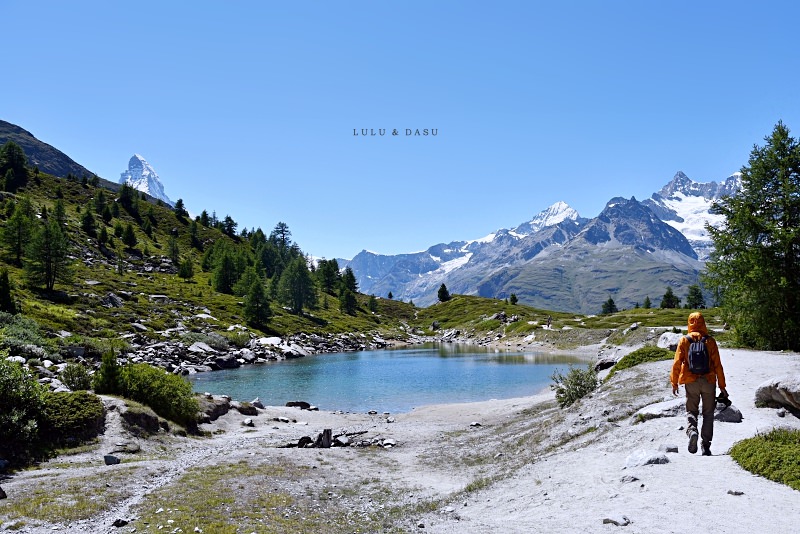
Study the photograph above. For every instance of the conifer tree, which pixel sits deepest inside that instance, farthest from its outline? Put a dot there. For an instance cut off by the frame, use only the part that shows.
(88, 224)
(256, 305)
(754, 270)
(296, 288)
(647, 304)
(186, 269)
(695, 299)
(443, 294)
(18, 229)
(7, 303)
(47, 255)
(609, 306)
(669, 300)
(129, 236)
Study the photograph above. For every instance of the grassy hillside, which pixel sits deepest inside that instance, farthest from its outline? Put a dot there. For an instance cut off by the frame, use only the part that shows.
(146, 282)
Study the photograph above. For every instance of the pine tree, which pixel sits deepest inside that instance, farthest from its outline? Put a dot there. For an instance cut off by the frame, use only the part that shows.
(754, 270)
(12, 158)
(347, 301)
(695, 299)
(173, 249)
(180, 210)
(225, 274)
(443, 294)
(88, 224)
(372, 304)
(609, 306)
(47, 260)
(647, 304)
(256, 305)
(390, 296)
(513, 299)
(186, 269)
(18, 229)
(129, 236)
(669, 300)
(7, 303)
(296, 286)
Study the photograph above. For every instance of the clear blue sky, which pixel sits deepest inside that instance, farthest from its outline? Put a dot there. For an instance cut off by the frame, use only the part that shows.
(248, 108)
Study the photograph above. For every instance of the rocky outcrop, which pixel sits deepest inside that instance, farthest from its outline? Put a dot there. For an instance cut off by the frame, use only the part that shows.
(778, 392)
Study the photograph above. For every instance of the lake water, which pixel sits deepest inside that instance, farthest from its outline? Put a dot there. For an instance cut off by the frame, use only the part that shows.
(393, 381)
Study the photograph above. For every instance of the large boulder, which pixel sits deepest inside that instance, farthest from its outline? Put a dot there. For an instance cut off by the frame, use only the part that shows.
(727, 414)
(781, 391)
(669, 340)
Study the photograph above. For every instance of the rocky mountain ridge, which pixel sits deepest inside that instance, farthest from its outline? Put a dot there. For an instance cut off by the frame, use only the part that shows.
(561, 261)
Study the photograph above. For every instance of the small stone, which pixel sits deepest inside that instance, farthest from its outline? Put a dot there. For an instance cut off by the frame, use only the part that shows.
(420, 525)
(248, 422)
(475, 423)
(390, 419)
(3, 494)
(668, 448)
(735, 492)
(628, 478)
(618, 520)
(119, 522)
(110, 459)
(781, 412)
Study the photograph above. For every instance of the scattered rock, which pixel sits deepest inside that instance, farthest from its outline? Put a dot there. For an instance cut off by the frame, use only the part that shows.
(3, 494)
(668, 448)
(111, 301)
(110, 459)
(727, 414)
(628, 479)
(390, 420)
(735, 492)
(639, 458)
(303, 405)
(781, 412)
(618, 520)
(248, 422)
(257, 403)
(119, 522)
(669, 408)
(605, 363)
(244, 408)
(475, 424)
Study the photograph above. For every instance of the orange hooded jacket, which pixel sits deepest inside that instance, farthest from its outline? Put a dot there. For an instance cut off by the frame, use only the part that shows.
(680, 373)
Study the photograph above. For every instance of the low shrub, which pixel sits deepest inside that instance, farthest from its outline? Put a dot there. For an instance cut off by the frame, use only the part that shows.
(70, 418)
(170, 396)
(639, 356)
(76, 377)
(22, 335)
(107, 378)
(22, 403)
(575, 385)
(239, 340)
(774, 455)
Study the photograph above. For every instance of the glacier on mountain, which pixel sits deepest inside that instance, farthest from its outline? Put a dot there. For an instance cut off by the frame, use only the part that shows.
(142, 177)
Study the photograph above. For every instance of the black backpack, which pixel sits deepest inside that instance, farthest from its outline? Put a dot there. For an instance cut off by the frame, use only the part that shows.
(698, 356)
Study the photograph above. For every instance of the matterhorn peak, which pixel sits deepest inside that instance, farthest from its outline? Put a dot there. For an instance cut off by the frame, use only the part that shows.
(142, 177)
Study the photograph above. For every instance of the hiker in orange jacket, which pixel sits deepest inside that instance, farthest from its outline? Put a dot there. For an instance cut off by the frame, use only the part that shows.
(698, 386)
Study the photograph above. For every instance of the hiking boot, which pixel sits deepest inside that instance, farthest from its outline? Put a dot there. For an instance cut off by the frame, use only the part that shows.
(693, 441)
(706, 448)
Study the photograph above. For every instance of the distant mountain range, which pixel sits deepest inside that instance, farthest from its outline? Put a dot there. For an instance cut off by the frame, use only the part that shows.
(561, 261)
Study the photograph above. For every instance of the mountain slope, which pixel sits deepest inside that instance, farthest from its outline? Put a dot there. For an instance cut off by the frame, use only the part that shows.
(47, 158)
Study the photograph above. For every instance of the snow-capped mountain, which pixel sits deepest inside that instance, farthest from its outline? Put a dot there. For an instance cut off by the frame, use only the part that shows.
(560, 261)
(462, 264)
(142, 177)
(685, 205)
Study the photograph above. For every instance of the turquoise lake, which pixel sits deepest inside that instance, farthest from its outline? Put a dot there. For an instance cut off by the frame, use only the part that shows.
(393, 381)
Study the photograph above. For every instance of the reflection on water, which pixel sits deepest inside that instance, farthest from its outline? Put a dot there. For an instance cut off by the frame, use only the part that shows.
(390, 380)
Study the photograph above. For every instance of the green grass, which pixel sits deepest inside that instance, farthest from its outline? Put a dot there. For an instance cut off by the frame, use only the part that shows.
(639, 356)
(774, 455)
(265, 498)
(67, 499)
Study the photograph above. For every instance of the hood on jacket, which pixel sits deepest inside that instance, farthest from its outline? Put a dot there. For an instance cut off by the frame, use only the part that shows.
(697, 323)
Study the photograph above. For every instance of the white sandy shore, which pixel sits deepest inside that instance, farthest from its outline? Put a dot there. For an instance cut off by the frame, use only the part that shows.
(537, 485)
